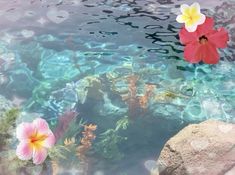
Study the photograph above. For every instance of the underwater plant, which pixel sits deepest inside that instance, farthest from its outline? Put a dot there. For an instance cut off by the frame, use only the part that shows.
(86, 143)
(132, 99)
(201, 40)
(110, 139)
(63, 123)
(7, 121)
(137, 103)
(144, 99)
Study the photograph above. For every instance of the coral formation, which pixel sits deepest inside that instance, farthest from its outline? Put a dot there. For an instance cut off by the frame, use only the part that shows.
(85, 145)
(137, 103)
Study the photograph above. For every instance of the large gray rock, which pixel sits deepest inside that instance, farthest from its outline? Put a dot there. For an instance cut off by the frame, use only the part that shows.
(207, 148)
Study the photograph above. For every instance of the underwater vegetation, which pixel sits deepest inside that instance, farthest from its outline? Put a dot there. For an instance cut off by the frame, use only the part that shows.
(120, 65)
(85, 145)
(7, 123)
(20, 162)
(109, 141)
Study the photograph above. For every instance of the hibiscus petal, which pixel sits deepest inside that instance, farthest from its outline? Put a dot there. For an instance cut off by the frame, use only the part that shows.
(208, 53)
(187, 37)
(24, 151)
(206, 27)
(24, 131)
(49, 141)
(39, 156)
(190, 51)
(219, 38)
(41, 125)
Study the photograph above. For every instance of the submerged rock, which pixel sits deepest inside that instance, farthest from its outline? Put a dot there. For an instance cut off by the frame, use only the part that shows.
(205, 148)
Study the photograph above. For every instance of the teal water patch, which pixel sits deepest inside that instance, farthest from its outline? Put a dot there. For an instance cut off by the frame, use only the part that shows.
(57, 65)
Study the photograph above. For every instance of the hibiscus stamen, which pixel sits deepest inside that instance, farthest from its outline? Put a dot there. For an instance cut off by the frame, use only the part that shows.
(203, 39)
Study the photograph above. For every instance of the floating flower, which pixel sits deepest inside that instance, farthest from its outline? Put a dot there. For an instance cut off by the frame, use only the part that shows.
(191, 16)
(35, 138)
(202, 44)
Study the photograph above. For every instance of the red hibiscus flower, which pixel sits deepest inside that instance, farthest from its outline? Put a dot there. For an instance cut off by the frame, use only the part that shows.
(202, 44)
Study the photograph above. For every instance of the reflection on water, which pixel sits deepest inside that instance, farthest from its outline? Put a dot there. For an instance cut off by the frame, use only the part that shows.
(83, 54)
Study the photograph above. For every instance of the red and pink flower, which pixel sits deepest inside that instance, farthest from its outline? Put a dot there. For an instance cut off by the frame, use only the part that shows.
(202, 44)
(199, 35)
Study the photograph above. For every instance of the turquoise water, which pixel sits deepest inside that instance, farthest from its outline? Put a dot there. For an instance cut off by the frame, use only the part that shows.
(79, 54)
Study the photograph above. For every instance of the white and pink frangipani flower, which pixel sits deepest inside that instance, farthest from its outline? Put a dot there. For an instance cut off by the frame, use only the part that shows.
(35, 138)
(191, 16)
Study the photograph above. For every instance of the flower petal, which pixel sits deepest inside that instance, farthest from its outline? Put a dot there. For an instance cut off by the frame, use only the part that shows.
(184, 8)
(41, 125)
(190, 51)
(24, 151)
(208, 53)
(49, 141)
(24, 131)
(39, 156)
(181, 19)
(187, 37)
(219, 38)
(191, 28)
(195, 8)
(206, 27)
(202, 19)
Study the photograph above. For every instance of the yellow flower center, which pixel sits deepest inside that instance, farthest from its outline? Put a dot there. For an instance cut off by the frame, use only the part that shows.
(37, 140)
(191, 16)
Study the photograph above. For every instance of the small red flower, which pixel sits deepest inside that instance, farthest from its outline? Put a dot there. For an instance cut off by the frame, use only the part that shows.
(202, 44)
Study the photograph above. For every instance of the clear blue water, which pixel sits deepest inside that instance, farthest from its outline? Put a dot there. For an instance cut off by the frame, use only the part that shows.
(77, 54)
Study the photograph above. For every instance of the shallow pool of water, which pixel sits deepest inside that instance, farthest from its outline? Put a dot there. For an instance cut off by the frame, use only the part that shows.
(99, 58)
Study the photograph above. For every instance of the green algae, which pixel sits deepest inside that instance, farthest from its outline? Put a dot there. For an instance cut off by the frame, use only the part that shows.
(7, 121)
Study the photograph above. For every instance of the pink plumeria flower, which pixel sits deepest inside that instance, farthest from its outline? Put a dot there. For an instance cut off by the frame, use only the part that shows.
(191, 16)
(35, 139)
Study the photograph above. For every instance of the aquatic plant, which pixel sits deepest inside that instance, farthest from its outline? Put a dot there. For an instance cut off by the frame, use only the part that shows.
(131, 98)
(85, 145)
(15, 163)
(35, 138)
(144, 99)
(108, 145)
(69, 141)
(137, 103)
(63, 124)
(7, 121)
(86, 141)
(62, 152)
(58, 152)
(110, 139)
(168, 96)
(122, 123)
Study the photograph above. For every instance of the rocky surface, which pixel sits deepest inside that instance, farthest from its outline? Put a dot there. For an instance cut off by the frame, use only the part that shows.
(205, 148)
